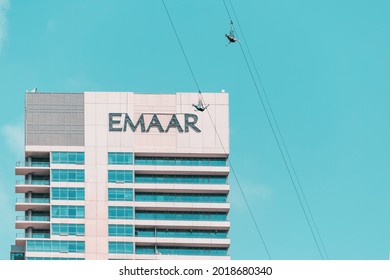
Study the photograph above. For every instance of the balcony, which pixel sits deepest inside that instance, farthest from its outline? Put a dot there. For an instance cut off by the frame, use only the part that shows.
(36, 222)
(183, 170)
(207, 242)
(21, 238)
(32, 164)
(32, 182)
(173, 257)
(37, 168)
(196, 225)
(177, 252)
(33, 218)
(36, 204)
(24, 235)
(179, 206)
(37, 186)
(33, 200)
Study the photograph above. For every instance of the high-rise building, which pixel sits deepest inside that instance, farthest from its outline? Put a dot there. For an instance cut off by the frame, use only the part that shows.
(121, 175)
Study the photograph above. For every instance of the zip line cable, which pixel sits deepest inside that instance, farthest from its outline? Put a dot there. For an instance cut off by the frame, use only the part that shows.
(219, 138)
(277, 139)
(181, 46)
(281, 151)
(278, 129)
(227, 10)
(277, 126)
(241, 191)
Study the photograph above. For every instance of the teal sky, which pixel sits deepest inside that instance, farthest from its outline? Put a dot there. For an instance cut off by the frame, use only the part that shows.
(325, 66)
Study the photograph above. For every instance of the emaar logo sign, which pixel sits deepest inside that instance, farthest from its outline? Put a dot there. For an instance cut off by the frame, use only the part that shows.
(117, 123)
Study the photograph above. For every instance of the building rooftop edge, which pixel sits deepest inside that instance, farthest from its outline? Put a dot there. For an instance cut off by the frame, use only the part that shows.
(138, 93)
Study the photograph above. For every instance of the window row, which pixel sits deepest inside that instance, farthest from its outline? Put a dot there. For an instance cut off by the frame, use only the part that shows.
(36, 216)
(68, 229)
(180, 161)
(35, 234)
(177, 233)
(120, 158)
(120, 212)
(120, 176)
(120, 247)
(120, 194)
(67, 157)
(36, 180)
(192, 251)
(67, 211)
(67, 194)
(120, 230)
(55, 246)
(181, 197)
(180, 179)
(67, 175)
(180, 216)
(114, 194)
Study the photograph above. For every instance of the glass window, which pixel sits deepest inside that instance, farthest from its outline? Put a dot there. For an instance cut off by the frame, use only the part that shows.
(181, 197)
(72, 229)
(67, 175)
(71, 157)
(120, 248)
(117, 194)
(143, 250)
(111, 158)
(67, 211)
(63, 176)
(68, 229)
(165, 250)
(80, 176)
(188, 216)
(67, 193)
(63, 193)
(71, 194)
(180, 179)
(80, 212)
(120, 158)
(177, 233)
(120, 230)
(72, 246)
(180, 161)
(55, 246)
(55, 157)
(120, 176)
(55, 193)
(63, 157)
(67, 157)
(120, 212)
(72, 211)
(72, 175)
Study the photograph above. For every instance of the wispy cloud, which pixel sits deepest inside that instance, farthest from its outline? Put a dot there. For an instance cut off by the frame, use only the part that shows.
(253, 193)
(4, 198)
(14, 137)
(4, 6)
(7, 229)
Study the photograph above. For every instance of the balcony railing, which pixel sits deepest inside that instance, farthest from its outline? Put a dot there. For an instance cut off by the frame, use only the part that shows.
(32, 164)
(33, 200)
(33, 235)
(33, 218)
(32, 182)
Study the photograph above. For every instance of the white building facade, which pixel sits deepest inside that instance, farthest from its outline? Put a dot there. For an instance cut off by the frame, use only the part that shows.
(122, 175)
